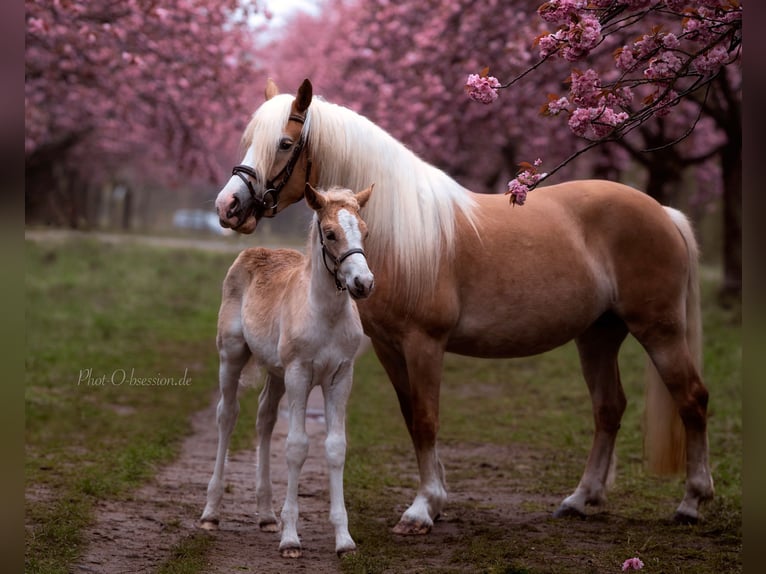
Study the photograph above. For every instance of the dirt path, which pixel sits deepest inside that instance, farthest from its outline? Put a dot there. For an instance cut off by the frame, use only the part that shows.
(137, 535)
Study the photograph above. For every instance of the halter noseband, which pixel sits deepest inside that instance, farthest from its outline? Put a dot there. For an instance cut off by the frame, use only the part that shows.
(270, 198)
(335, 260)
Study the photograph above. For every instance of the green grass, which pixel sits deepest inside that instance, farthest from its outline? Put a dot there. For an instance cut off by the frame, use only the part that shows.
(114, 312)
(519, 426)
(537, 412)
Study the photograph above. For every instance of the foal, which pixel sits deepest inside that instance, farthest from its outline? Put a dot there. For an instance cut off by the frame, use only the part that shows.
(295, 315)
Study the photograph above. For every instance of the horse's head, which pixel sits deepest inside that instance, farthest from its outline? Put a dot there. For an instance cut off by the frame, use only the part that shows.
(341, 232)
(276, 166)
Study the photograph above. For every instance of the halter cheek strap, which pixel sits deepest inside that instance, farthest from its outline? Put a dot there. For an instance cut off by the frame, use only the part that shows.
(270, 198)
(335, 260)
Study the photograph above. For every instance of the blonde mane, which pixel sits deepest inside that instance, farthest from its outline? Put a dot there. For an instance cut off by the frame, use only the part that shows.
(411, 216)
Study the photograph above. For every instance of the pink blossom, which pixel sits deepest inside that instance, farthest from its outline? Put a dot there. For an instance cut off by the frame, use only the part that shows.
(670, 41)
(482, 88)
(711, 61)
(555, 11)
(557, 106)
(579, 121)
(625, 60)
(549, 44)
(665, 66)
(632, 564)
(524, 182)
(583, 36)
(601, 120)
(585, 87)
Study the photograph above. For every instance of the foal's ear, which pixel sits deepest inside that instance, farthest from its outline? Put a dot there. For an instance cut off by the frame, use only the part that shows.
(364, 195)
(303, 98)
(315, 199)
(271, 89)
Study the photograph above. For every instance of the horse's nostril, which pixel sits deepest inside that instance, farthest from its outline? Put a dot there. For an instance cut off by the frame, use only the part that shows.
(233, 207)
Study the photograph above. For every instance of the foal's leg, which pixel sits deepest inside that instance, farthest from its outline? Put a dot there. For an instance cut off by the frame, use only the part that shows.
(598, 348)
(268, 411)
(233, 355)
(335, 398)
(418, 394)
(298, 385)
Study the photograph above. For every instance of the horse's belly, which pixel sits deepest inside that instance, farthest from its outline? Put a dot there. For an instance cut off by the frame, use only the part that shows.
(521, 318)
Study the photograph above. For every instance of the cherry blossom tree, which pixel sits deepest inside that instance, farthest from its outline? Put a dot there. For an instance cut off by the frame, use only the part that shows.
(655, 68)
(136, 89)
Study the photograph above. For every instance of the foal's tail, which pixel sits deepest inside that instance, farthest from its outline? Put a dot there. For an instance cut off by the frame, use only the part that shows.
(664, 435)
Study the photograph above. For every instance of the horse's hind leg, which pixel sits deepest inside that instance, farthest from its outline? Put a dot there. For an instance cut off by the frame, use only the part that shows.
(672, 359)
(598, 348)
(233, 355)
(268, 410)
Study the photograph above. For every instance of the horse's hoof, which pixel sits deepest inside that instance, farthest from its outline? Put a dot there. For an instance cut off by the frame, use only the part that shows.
(211, 524)
(269, 526)
(290, 552)
(411, 528)
(565, 511)
(685, 519)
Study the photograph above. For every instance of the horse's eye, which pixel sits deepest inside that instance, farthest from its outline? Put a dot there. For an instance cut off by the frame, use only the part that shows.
(285, 144)
(330, 236)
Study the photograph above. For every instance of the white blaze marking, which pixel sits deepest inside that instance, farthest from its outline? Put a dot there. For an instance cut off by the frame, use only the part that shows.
(350, 226)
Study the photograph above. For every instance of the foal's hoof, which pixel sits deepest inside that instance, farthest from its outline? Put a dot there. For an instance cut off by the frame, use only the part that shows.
(412, 528)
(290, 552)
(565, 511)
(686, 519)
(269, 526)
(211, 524)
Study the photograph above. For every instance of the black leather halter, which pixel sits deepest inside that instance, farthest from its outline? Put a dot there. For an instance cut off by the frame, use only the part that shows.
(270, 199)
(336, 261)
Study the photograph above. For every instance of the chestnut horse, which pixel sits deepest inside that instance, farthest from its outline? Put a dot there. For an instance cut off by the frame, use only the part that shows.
(295, 316)
(465, 273)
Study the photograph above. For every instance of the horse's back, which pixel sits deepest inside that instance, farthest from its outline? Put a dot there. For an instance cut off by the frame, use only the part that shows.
(553, 266)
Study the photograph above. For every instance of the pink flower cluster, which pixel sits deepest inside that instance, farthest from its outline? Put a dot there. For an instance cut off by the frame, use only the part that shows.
(601, 120)
(524, 182)
(632, 564)
(482, 88)
(579, 31)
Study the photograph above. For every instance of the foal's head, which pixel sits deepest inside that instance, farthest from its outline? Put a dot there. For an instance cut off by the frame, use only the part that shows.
(341, 232)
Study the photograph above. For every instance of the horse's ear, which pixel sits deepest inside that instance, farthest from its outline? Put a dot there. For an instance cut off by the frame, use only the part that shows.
(303, 98)
(271, 89)
(315, 199)
(363, 196)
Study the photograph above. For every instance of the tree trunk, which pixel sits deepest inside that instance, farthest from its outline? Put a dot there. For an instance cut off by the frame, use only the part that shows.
(731, 167)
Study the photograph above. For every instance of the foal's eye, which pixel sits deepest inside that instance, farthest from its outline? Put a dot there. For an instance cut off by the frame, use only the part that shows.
(285, 144)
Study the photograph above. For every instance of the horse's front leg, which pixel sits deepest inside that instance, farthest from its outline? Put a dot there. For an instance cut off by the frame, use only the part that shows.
(298, 384)
(268, 410)
(418, 394)
(233, 355)
(336, 394)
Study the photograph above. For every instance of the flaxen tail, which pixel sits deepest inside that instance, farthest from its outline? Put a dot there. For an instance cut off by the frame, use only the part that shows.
(664, 435)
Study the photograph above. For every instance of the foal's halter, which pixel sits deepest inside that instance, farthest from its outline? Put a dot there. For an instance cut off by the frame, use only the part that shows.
(270, 198)
(336, 261)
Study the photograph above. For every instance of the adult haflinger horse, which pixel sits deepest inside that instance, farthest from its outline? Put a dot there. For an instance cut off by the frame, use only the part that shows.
(465, 273)
(292, 314)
